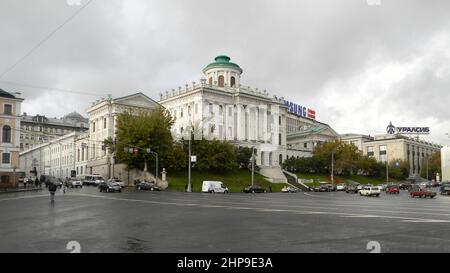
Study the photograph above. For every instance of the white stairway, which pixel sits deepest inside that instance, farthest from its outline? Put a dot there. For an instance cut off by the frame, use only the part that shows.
(273, 174)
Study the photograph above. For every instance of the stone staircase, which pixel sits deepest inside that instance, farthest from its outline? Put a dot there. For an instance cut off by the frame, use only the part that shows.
(293, 180)
(273, 174)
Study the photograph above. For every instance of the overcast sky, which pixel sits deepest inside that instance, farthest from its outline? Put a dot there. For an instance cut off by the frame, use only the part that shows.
(359, 64)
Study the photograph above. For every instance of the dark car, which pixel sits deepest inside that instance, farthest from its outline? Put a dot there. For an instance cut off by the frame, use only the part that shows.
(445, 188)
(147, 186)
(109, 187)
(352, 189)
(405, 186)
(254, 189)
(393, 189)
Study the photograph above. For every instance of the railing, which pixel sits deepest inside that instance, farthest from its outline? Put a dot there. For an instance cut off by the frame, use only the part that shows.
(294, 181)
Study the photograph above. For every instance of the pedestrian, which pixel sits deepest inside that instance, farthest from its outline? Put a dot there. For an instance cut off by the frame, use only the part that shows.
(270, 188)
(52, 187)
(25, 181)
(63, 187)
(38, 183)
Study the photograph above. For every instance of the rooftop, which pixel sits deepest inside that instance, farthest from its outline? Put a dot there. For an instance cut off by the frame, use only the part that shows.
(222, 61)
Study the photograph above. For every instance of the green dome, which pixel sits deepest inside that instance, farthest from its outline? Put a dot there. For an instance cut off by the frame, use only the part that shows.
(222, 61)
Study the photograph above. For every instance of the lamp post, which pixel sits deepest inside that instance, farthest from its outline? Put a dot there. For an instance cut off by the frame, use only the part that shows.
(387, 169)
(332, 167)
(253, 165)
(189, 188)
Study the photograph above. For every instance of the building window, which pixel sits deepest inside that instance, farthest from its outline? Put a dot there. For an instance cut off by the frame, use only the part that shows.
(6, 158)
(230, 112)
(181, 112)
(221, 81)
(305, 145)
(104, 123)
(279, 139)
(6, 134)
(5, 179)
(211, 108)
(93, 127)
(189, 110)
(7, 109)
(279, 120)
(210, 81)
(370, 151)
(233, 82)
(220, 109)
(382, 149)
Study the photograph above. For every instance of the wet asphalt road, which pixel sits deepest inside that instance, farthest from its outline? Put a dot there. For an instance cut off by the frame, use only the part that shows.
(196, 222)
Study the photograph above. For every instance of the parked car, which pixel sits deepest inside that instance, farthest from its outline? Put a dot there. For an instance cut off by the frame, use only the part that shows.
(316, 189)
(351, 189)
(75, 183)
(370, 191)
(405, 186)
(382, 187)
(289, 189)
(118, 181)
(214, 187)
(147, 186)
(109, 187)
(340, 187)
(359, 187)
(445, 188)
(254, 189)
(422, 193)
(331, 187)
(393, 189)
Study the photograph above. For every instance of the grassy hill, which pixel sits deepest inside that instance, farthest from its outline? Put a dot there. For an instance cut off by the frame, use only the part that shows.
(343, 179)
(236, 181)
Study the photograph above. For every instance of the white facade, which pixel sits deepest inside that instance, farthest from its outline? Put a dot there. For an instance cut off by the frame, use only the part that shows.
(56, 157)
(102, 125)
(220, 107)
(445, 163)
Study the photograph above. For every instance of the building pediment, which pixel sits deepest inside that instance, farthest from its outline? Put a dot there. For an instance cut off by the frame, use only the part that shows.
(137, 100)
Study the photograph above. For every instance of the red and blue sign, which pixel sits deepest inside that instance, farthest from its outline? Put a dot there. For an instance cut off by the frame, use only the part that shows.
(299, 110)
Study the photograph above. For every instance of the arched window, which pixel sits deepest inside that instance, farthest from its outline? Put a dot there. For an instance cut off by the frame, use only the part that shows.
(221, 81)
(210, 81)
(6, 135)
(233, 82)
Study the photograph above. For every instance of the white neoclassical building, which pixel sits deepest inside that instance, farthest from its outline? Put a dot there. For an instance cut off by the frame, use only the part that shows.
(220, 107)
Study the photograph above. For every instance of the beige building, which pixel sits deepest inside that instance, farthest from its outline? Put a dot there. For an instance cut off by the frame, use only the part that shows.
(391, 147)
(40, 129)
(10, 138)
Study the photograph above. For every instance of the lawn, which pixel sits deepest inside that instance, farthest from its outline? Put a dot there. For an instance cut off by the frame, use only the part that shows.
(343, 179)
(236, 181)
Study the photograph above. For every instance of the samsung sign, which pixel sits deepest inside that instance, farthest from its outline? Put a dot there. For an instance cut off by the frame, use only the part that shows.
(391, 129)
(299, 110)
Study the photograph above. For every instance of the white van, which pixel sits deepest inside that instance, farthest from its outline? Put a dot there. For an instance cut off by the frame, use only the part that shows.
(214, 187)
(93, 179)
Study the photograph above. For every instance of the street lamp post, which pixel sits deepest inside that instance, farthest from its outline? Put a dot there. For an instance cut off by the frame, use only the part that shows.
(387, 169)
(253, 165)
(332, 168)
(189, 188)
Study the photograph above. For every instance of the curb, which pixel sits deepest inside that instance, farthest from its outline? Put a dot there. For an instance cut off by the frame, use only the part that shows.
(15, 191)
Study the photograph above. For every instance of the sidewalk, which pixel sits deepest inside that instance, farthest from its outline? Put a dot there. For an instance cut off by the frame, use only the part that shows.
(6, 190)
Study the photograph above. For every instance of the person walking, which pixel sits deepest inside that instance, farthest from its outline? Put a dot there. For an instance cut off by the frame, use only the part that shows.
(52, 187)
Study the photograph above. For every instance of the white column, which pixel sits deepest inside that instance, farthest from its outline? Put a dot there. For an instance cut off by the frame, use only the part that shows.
(239, 122)
(257, 124)
(264, 125)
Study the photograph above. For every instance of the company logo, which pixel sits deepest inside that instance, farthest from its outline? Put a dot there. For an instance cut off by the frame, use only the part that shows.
(299, 110)
(391, 129)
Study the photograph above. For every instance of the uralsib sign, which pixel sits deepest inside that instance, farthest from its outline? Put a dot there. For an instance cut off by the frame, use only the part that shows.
(391, 129)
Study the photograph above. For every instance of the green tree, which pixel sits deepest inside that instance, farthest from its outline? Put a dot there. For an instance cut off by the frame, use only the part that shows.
(243, 156)
(434, 166)
(143, 130)
(346, 157)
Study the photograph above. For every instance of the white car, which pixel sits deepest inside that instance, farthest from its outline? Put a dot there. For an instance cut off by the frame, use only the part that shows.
(75, 183)
(214, 187)
(289, 189)
(340, 187)
(118, 181)
(98, 182)
(370, 191)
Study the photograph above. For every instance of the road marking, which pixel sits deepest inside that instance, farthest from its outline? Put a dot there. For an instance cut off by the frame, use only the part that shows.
(342, 214)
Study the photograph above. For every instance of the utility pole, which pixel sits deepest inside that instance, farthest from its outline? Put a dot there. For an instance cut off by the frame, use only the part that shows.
(189, 188)
(427, 166)
(387, 169)
(253, 165)
(332, 168)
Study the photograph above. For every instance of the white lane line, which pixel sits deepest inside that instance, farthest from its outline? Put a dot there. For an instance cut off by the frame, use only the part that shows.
(348, 215)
